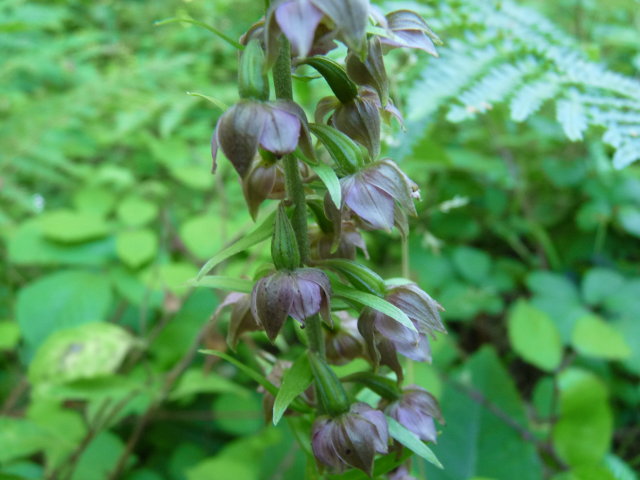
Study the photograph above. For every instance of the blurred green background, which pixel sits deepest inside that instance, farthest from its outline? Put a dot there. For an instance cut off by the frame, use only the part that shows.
(522, 139)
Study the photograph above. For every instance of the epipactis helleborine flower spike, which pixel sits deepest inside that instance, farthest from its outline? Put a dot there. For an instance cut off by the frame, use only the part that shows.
(351, 439)
(415, 410)
(300, 293)
(373, 192)
(277, 126)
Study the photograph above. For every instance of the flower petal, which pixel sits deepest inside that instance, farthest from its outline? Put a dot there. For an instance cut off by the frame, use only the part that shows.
(239, 130)
(271, 301)
(368, 202)
(350, 18)
(298, 20)
(281, 131)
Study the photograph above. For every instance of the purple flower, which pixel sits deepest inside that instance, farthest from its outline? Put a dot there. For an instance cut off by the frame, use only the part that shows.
(401, 473)
(385, 336)
(373, 192)
(241, 320)
(350, 239)
(351, 439)
(276, 126)
(415, 410)
(407, 29)
(298, 20)
(300, 293)
(344, 343)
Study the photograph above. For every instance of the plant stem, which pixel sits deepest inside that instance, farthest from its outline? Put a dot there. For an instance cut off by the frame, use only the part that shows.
(295, 189)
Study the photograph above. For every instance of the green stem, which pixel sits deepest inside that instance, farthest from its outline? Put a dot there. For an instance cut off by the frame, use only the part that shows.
(295, 189)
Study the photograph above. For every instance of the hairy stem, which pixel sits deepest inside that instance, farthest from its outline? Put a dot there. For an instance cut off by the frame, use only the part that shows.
(295, 189)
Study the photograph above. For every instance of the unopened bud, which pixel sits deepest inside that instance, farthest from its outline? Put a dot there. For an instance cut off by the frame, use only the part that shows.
(252, 81)
(284, 247)
(331, 394)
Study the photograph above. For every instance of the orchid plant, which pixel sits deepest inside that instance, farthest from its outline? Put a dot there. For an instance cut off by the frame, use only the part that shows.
(331, 185)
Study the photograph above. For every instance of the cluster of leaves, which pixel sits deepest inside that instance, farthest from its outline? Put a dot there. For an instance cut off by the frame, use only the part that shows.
(530, 243)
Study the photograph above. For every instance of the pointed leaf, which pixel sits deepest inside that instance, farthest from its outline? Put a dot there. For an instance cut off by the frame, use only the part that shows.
(260, 233)
(413, 443)
(330, 180)
(374, 302)
(295, 381)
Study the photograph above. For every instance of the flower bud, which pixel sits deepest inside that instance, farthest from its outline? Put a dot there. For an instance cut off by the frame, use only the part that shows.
(264, 180)
(343, 343)
(252, 81)
(351, 439)
(360, 120)
(284, 246)
(340, 244)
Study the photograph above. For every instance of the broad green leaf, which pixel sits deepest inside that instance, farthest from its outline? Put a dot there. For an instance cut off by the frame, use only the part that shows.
(599, 283)
(136, 247)
(534, 336)
(473, 264)
(330, 180)
(99, 458)
(174, 276)
(225, 283)
(582, 435)
(9, 335)
(20, 438)
(200, 235)
(475, 441)
(372, 301)
(594, 337)
(295, 381)
(411, 441)
(87, 351)
(61, 300)
(135, 211)
(261, 232)
(71, 226)
(94, 200)
(629, 218)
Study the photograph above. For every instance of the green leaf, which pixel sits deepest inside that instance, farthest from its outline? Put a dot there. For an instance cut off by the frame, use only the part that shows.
(600, 283)
(330, 180)
(199, 235)
(70, 226)
(259, 378)
(261, 232)
(295, 381)
(20, 438)
(9, 335)
(136, 211)
(473, 264)
(534, 336)
(61, 300)
(99, 458)
(372, 301)
(475, 441)
(629, 218)
(583, 433)
(86, 351)
(238, 415)
(136, 247)
(211, 28)
(412, 442)
(225, 283)
(346, 154)
(594, 337)
(195, 381)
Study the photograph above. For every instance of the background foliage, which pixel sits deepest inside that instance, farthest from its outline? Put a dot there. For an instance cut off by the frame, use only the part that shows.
(528, 235)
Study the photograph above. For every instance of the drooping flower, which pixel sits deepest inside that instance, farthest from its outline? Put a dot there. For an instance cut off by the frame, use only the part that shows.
(241, 319)
(350, 239)
(385, 336)
(416, 410)
(344, 343)
(299, 20)
(299, 293)
(401, 473)
(373, 192)
(351, 439)
(278, 127)
(405, 28)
